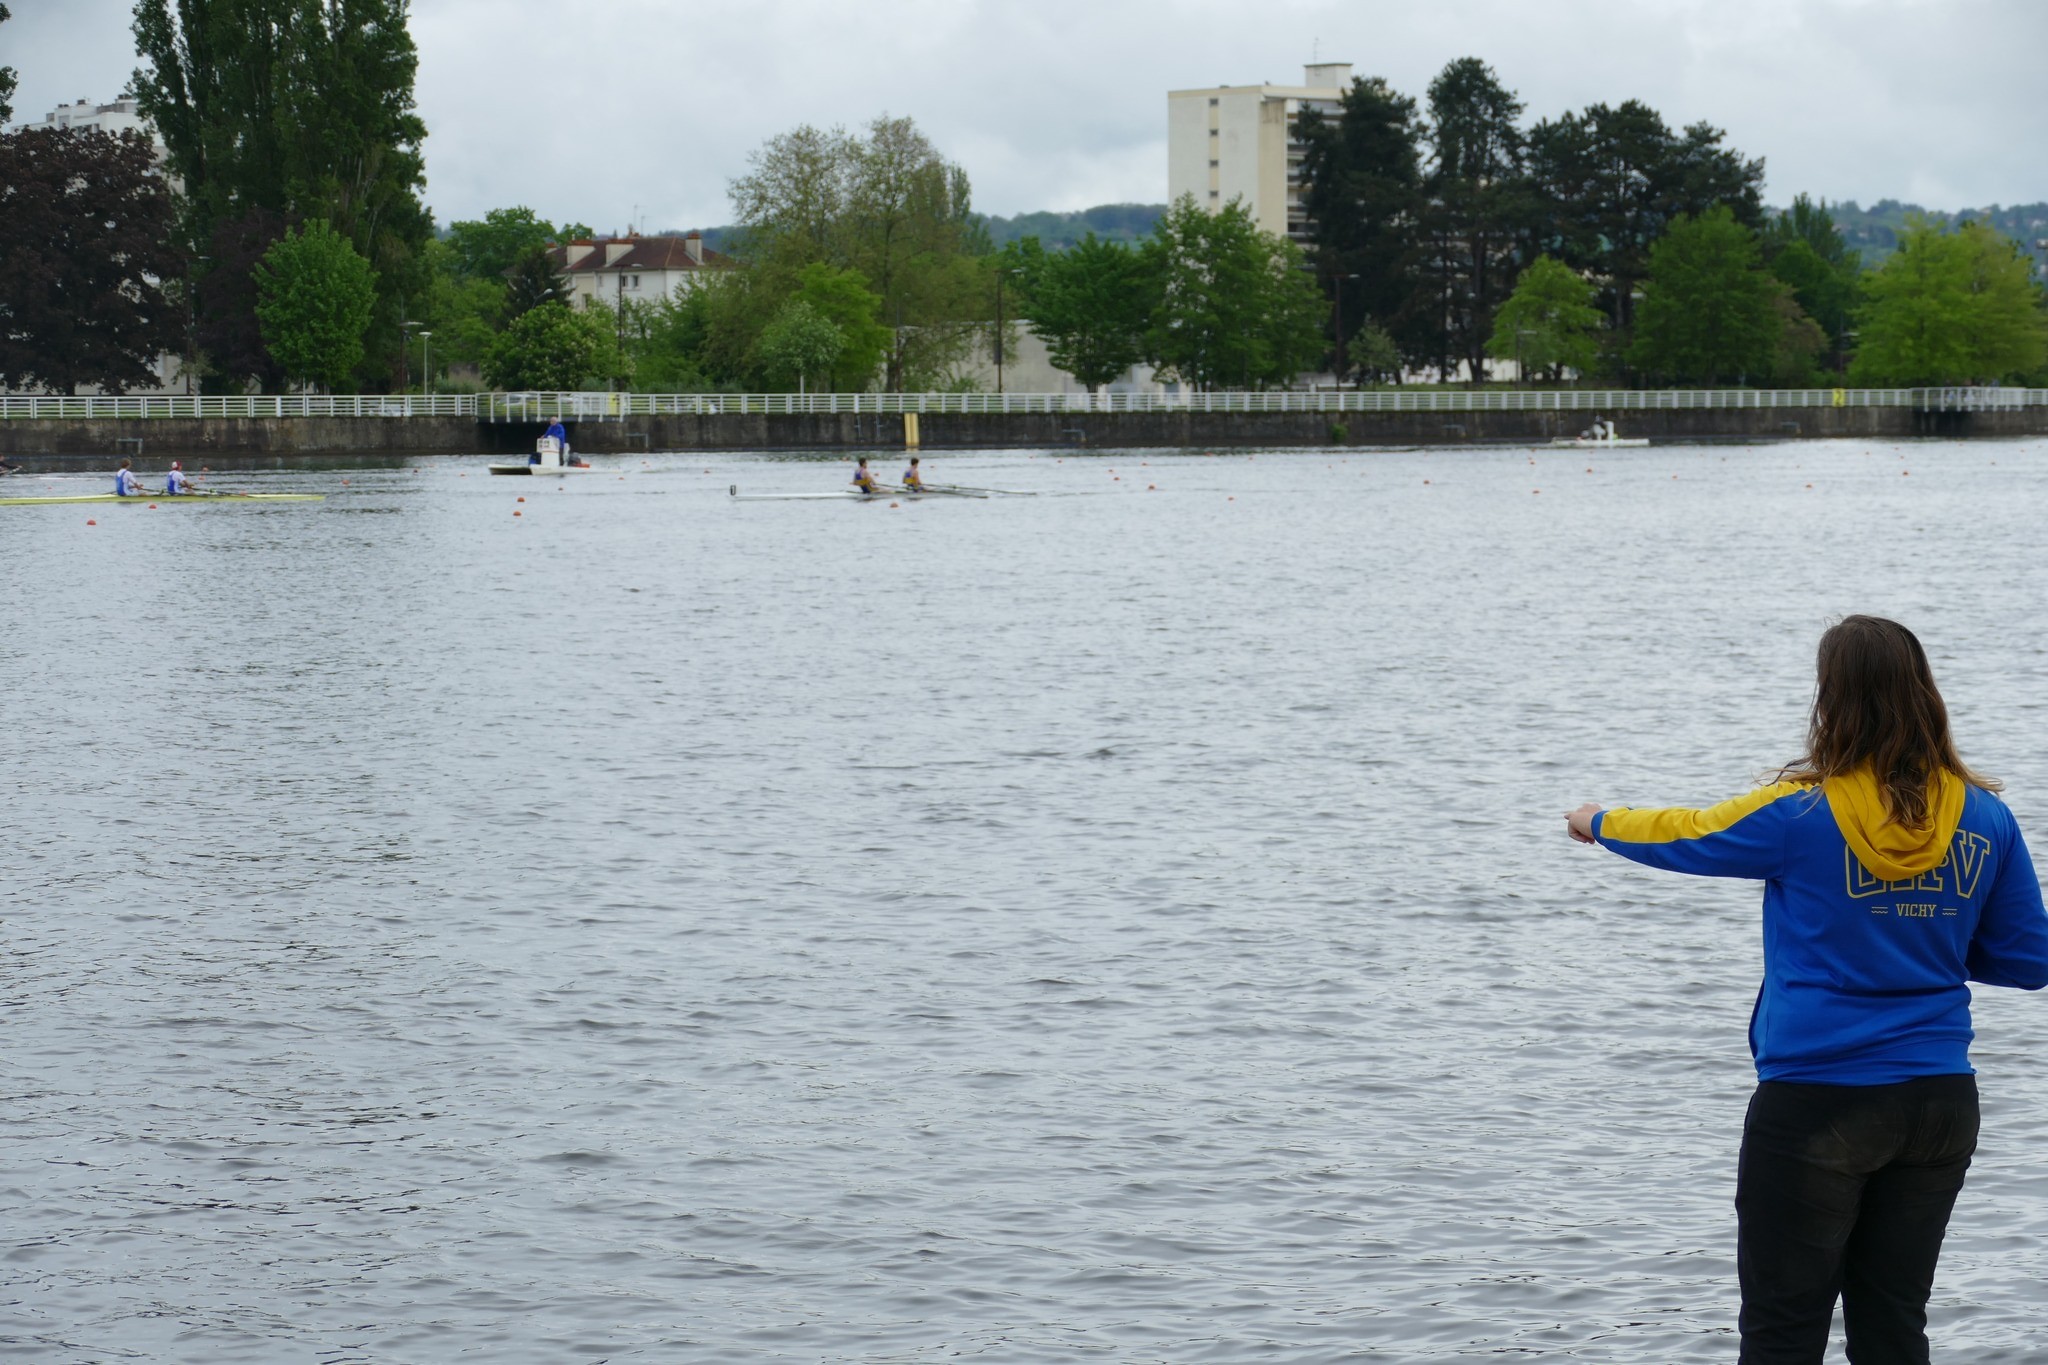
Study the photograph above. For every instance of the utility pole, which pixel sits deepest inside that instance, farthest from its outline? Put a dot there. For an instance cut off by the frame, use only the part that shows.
(427, 363)
(999, 328)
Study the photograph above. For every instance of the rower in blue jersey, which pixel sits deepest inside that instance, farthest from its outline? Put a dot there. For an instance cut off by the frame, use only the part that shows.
(864, 478)
(126, 484)
(913, 478)
(176, 484)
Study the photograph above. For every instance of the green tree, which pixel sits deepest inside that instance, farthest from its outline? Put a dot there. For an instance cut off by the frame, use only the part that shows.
(1809, 253)
(6, 81)
(842, 298)
(1235, 309)
(1610, 181)
(799, 342)
(664, 340)
(462, 310)
(886, 204)
(1708, 311)
(1478, 199)
(315, 297)
(1950, 308)
(553, 349)
(85, 250)
(535, 279)
(295, 109)
(1092, 304)
(489, 247)
(1549, 322)
(1362, 190)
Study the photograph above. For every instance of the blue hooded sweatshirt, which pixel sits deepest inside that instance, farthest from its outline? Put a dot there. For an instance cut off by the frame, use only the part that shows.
(1872, 929)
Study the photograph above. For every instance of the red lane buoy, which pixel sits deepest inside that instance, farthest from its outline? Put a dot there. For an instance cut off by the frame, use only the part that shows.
(518, 513)
(522, 499)
(152, 507)
(892, 504)
(90, 522)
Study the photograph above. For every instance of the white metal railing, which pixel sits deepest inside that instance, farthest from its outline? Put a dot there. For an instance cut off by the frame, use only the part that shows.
(534, 407)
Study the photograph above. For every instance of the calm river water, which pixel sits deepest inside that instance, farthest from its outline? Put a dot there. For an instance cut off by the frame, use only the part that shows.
(1131, 924)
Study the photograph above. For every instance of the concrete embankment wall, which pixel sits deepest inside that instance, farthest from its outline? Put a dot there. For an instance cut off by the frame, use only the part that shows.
(254, 442)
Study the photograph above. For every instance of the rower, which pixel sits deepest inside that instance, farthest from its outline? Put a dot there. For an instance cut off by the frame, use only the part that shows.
(912, 479)
(126, 485)
(175, 482)
(864, 478)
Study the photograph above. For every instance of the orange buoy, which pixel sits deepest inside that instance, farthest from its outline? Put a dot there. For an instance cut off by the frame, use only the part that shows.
(1151, 488)
(90, 522)
(522, 499)
(516, 512)
(1809, 485)
(1425, 483)
(892, 504)
(344, 483)
(152, 507)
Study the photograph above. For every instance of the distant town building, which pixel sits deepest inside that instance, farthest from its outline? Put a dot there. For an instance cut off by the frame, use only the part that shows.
(118, 117)
(634, 268)
(1238, 142)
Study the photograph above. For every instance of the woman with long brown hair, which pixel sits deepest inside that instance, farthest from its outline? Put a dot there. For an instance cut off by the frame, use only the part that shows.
(1893, 877)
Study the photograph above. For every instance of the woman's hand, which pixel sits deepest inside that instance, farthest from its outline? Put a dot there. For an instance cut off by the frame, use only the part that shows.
(1579, 823)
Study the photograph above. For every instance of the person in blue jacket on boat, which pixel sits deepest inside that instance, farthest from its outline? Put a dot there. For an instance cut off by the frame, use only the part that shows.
(176, 483)
(1893, 878)
(126, 484)
(561, 435)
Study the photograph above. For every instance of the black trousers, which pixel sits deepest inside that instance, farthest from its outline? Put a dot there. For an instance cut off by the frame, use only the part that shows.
(1845, 1191)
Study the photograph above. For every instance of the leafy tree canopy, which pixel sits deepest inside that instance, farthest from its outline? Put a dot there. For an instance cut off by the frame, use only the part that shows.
(1549, 322)
(85, 246)
(552, 348)
(6, 81)
(798, 342)
(315, 296)
(535, 279)
(1092, 304)
(299, 109)
(490, 247)
(1709, 310)
(1951, 307)
(842, 298)
(1235, 309)
(888, 205)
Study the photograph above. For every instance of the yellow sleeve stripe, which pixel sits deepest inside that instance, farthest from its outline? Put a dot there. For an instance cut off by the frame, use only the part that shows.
(1676, 823)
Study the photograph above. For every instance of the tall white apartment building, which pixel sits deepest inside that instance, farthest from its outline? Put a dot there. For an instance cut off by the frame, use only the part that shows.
(118, 117)
(1238, 142)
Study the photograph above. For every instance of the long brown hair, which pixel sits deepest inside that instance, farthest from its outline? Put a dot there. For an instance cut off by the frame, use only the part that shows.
(1875, 704)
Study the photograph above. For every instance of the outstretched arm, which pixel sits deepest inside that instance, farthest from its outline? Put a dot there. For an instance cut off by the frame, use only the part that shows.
(1744, 837)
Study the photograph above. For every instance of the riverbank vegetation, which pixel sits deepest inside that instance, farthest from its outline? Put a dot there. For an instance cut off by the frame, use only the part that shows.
(1450, 226)
(282, 241)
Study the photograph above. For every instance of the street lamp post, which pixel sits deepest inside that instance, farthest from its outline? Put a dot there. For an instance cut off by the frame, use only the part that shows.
(426, 364)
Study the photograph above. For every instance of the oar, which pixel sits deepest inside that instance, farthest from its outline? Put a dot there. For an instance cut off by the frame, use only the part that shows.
(980, 492)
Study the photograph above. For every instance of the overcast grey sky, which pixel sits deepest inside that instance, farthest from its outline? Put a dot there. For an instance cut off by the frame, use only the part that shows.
(585, 112)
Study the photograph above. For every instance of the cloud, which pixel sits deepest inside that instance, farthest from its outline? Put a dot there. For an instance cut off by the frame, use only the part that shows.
(643, 110)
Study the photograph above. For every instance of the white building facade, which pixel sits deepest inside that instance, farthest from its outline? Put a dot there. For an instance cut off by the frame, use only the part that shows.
(1238, 142)
(612, 270)
(118, 117)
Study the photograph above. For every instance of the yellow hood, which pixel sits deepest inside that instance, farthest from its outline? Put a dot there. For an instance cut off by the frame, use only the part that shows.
(1890, 850)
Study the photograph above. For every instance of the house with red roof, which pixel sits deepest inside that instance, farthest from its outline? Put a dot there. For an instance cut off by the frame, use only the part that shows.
(635, 268)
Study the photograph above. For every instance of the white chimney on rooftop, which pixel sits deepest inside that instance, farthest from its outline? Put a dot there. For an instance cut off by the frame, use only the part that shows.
(1327, 75)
